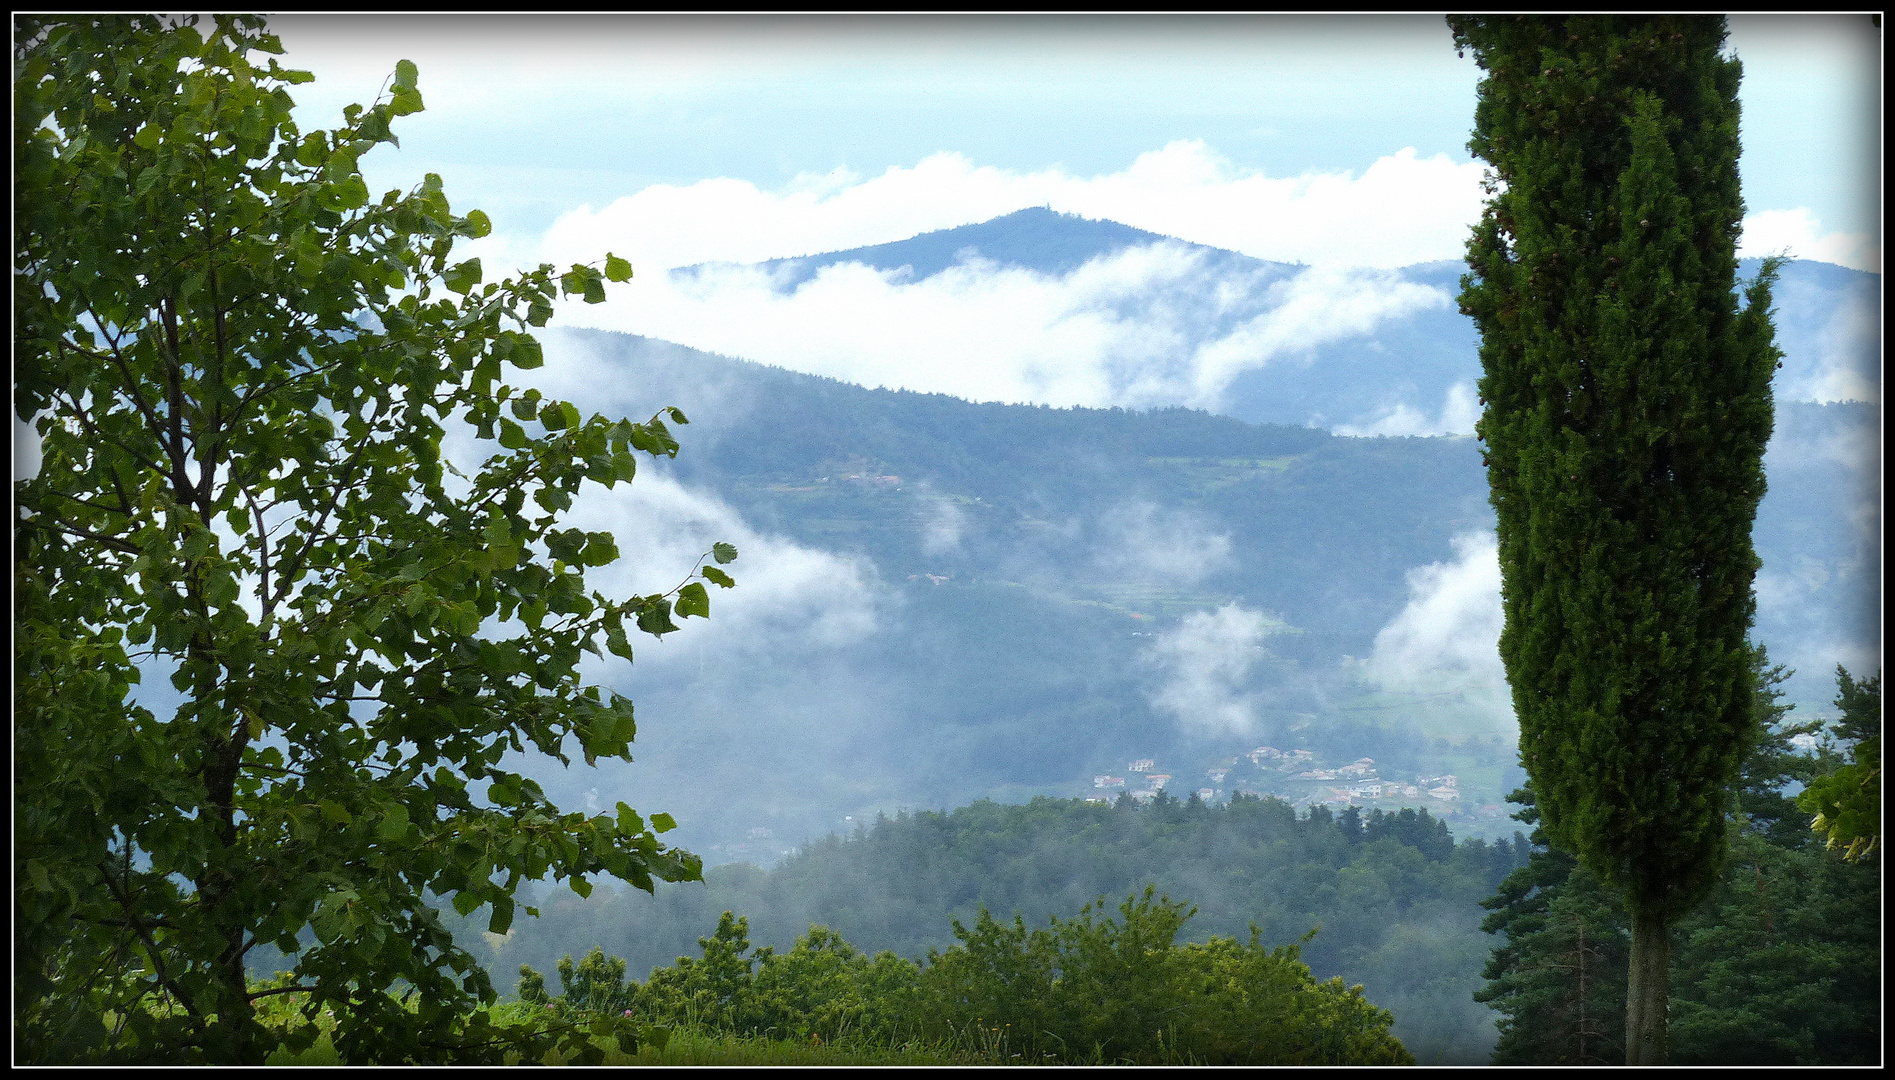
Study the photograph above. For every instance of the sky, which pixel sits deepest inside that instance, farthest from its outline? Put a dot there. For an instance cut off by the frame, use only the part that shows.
(1322, 139)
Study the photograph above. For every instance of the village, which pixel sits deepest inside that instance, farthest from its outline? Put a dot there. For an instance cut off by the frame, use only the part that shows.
(1295, 776)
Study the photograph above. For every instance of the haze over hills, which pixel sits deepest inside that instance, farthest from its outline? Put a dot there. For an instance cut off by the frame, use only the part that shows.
(1052, 308)
(940, 601)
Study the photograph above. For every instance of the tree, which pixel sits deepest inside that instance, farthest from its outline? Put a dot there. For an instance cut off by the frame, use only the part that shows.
(239, 366)
(1779, 966)
(1552, 979)
(1627, 405)
(1095, 989)
(1848, 802)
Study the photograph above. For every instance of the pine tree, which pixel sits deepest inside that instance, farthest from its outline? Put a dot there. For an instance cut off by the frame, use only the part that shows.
(1627, 407)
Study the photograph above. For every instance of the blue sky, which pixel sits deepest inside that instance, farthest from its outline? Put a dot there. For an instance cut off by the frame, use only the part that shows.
(531, 118)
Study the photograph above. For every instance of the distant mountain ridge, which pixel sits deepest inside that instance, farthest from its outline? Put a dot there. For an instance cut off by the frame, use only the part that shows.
(1411, 370)
(1036, 238)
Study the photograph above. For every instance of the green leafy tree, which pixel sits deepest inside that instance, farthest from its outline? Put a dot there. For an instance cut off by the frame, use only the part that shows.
(596, 983)
(1628, 403)
(240, 366)
(825, 989)
(1093, 989)
(717, 990)
(1848, 802)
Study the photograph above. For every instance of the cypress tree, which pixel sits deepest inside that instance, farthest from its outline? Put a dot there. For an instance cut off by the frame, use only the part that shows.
(1627, 404)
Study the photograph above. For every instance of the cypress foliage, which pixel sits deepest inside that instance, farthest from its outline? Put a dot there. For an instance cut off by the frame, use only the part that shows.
(1627, 407)
(1781, 966)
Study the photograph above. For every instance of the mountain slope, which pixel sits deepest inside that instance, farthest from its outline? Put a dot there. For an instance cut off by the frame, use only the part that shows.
(941, 600)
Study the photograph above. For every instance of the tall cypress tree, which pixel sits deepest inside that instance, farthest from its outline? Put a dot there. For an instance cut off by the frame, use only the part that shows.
(1627, 404)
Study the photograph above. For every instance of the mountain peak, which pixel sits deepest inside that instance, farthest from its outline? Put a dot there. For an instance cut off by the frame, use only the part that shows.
(1036, 238)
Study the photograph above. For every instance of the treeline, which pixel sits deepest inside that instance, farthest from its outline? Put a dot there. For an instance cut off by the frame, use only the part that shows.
(1087, 990)
(1393, 898)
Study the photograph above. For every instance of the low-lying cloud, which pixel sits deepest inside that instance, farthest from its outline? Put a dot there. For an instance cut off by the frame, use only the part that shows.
(1446, 639)
(1797, 232)
(1144, 542)
(1145, 326)
(1206, 661)
(1460, 411)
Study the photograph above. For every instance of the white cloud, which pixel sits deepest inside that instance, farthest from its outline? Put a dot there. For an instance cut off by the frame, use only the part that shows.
(1145, 326)
(1460, 411)
(792, 595)
(1314, 308)
(1798, 232)
(1146, 543)
(1206, 661)
(788, 597)
(942, 525)
(1403, 209)
(1447, 638)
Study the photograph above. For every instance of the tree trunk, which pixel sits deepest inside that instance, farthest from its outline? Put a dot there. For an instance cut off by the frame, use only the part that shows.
(1648, 990)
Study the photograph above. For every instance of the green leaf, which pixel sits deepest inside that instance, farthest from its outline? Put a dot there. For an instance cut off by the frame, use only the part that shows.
(580, 885)
(693, 600)
(394, 824)
(723, 553)
(465, 901)
(663, 822)
(405, 103)
(512, 436)
(718, 577)
(463, 277)
(617, 269)
(655, 617)
(406, 74)
(502, 919)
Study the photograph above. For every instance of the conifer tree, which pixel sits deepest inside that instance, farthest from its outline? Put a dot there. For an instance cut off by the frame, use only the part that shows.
(1628, 403)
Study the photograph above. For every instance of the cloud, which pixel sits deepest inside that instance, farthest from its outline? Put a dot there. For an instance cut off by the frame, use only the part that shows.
(1446, 639)
(1403, 209)
(1158, 324)
(1143, 542)
(1460, 411)
(1315, 308)
(1798, 232)
(788, 598)
(1206, 660)
(1831, 334)
(943, 523)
